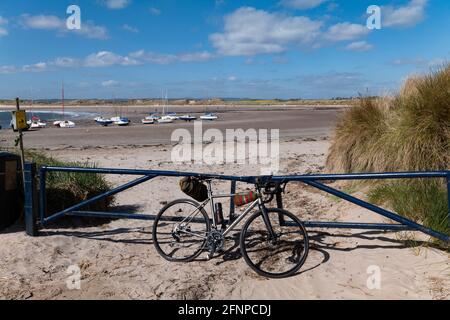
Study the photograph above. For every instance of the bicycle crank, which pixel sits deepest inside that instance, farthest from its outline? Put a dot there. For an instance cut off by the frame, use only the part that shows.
(214, 242)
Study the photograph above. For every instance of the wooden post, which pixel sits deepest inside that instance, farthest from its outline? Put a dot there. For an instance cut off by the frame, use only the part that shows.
(22, 153)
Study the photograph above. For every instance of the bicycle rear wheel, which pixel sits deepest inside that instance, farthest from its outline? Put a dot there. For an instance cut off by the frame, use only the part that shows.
(277, 257)
(180, 230)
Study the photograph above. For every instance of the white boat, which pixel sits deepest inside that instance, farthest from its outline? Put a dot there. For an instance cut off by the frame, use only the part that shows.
(103, 121)
(63, 123)
(66, 124)
(187, 117)
(123, 122)
(147, 121)
(36, 123)
(209, 116)
(172, 115)
(153, 116)
(165, 119)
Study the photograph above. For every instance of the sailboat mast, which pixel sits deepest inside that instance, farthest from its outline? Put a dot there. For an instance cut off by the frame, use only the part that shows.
(167, 102)
(162, 102)
(62, 100)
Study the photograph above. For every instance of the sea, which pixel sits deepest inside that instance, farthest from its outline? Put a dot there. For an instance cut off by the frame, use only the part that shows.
(47, 116)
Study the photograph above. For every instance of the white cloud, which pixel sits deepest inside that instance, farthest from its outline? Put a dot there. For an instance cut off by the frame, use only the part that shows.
(3, 20)
(3, 30)
(153, 57)
(92, 31)
(346, 31)
(49, 22)
(249, 31)
(43, 22)
(106, 59)
(116, 4)
(110, 83)
(232, 78)
(195, 57)
(130, 28)
(404, 16)
(302, 4)
(419, 62)
(155, 11)
(157, 58)
(7, 69)
(37, 67)
(65, 62)
(359, 46)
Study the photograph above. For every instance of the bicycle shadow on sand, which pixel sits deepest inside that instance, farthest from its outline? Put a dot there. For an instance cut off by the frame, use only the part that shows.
(321, 242)
(324, 243)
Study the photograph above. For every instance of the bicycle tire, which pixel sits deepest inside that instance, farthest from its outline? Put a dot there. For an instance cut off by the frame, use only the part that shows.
(253, 265)
(159, 218)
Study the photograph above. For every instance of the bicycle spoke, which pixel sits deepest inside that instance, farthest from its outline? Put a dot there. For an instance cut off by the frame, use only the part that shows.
(277, 256)
(183, 225)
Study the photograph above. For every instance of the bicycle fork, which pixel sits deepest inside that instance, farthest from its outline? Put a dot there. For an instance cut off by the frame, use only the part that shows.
(266, 219)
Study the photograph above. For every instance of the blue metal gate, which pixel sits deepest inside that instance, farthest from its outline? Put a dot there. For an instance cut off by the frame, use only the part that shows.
(36, 217)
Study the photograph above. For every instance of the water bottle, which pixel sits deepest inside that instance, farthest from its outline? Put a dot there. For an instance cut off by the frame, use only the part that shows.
(218, 214)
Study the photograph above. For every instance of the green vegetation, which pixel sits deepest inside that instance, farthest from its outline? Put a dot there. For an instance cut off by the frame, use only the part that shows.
(425, 201)
(407, 132)
(67, 189)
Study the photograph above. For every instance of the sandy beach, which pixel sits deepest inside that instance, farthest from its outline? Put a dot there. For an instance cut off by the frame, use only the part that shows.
(118, 260)
(292, 121)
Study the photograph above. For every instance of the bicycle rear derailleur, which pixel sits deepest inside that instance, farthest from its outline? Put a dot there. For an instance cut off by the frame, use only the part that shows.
(214, 242)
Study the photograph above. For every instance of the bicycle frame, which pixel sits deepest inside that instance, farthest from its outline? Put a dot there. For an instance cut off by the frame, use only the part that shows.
(257, 202)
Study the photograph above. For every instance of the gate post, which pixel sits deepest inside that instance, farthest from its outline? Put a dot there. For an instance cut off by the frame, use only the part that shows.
(279, 200)
(232, 207)
(448, 198)
(30, 200)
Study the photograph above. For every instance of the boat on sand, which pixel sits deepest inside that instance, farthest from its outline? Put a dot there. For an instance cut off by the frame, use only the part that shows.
(147, 121)
(187, 117)
(209, 116)
(123, 122)
(103, 121)
(66, 124)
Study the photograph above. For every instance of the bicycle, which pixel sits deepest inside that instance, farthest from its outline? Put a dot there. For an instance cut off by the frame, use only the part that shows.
(273, 242)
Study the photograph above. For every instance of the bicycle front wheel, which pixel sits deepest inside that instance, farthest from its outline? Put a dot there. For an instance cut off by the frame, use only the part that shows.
(279, 256)
(180, 230)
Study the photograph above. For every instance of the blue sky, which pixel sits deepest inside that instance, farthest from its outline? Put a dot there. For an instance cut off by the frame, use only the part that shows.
(217, 48)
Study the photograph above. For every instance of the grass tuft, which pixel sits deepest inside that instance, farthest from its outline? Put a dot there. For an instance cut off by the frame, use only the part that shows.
(407, 132)
(67, 189)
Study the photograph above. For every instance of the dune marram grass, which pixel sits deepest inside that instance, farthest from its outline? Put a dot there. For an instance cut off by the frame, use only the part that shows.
(407, 132)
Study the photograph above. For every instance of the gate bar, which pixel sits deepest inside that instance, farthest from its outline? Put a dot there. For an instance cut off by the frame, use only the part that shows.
(381, 211)
(310, 179)
(354, 225)
(138, 172)
(311, 224)
(131, 216)
(98, 197)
